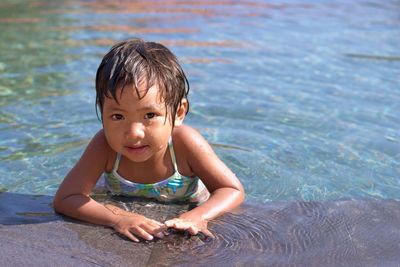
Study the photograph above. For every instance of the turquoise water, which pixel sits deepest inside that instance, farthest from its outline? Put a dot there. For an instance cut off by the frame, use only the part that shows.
(300, 98)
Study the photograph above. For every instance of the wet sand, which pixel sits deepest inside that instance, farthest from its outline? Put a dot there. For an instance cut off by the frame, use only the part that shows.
(340, 233)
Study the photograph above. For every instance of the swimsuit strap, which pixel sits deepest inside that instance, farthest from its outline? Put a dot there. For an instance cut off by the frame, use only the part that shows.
(116, 163)
(172, 153)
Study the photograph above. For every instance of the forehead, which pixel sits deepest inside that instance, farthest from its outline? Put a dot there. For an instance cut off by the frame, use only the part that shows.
(132, 96)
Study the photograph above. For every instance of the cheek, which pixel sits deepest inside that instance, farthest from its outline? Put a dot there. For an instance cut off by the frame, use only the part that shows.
(160, 137)
(112, 134)
(107, 131)
(109, 136)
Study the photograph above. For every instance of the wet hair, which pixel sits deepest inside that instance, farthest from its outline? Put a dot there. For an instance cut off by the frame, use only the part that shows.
(139, 63)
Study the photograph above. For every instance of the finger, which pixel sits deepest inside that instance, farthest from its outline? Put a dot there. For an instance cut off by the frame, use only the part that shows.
(130, 236)
(192, 230)
(170, 223)
(158, 231)
(179, 225)
(141, 233)
(159, 235)
(156, 223)
(207, 233)
(165, 232)
(153, 227)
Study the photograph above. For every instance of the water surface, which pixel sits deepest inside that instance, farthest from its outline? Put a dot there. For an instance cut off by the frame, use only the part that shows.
(300, 98)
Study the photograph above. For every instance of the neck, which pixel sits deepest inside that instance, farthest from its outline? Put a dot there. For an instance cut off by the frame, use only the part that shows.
(153, 170)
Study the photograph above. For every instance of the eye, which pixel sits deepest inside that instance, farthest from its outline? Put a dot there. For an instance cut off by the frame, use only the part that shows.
(117, 117)
(150, 115)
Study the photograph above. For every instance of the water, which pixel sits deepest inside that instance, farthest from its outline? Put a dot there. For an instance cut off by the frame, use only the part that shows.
(299, 98)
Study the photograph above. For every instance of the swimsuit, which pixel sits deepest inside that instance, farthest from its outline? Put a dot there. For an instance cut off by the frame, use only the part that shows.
(175, 188)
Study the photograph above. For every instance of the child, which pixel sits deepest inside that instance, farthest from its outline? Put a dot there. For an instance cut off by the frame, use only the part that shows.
(145, 150)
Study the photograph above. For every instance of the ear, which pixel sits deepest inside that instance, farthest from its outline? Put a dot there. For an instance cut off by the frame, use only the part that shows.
(181, 112)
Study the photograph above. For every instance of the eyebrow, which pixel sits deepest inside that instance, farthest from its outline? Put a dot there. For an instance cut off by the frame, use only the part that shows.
(144, 108)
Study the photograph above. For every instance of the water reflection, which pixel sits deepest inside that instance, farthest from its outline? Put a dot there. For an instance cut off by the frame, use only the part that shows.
(28, 56)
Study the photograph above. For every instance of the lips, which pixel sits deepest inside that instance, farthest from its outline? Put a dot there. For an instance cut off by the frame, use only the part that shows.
(137, 149)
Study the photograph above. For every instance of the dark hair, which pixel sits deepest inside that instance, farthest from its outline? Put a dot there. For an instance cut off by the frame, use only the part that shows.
(136, 62)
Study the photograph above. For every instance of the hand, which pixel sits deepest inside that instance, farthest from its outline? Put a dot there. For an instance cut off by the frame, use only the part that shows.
(192, 225)
(130, 223)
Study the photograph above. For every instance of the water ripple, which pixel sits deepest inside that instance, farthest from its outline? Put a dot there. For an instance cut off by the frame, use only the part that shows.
(285, 234)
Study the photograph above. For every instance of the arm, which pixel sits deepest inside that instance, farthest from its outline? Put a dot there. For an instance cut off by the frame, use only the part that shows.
(226, 190)
(73, 196)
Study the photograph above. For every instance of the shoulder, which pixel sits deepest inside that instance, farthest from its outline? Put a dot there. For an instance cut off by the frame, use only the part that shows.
(99, 139)
(100, 149)
(184, 132)
(199, 157)
(190, 143)
(99, 142)
(188, 137)
(186, 142)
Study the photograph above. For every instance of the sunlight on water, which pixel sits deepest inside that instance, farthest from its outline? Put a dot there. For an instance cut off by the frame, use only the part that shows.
(299, 98)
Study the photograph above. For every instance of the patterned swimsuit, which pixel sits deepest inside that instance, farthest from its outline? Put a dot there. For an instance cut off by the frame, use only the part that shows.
(176, 188)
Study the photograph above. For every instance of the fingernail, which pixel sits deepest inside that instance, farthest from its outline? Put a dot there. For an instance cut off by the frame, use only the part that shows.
(150, 237)
(159, 235)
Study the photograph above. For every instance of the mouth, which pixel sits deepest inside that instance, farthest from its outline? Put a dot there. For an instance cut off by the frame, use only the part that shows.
(137, 149)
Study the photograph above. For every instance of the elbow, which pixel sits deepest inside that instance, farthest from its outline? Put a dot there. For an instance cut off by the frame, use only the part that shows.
(241, 195)
(238, 196)
(66, 204)
(57, 204)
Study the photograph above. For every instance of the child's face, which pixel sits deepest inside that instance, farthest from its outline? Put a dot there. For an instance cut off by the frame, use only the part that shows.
(137, 128)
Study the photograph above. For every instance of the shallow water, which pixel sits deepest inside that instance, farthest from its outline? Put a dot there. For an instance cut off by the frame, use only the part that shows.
(300, 99)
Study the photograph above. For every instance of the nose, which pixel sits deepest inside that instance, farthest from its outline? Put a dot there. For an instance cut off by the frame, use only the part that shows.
(135, 130)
